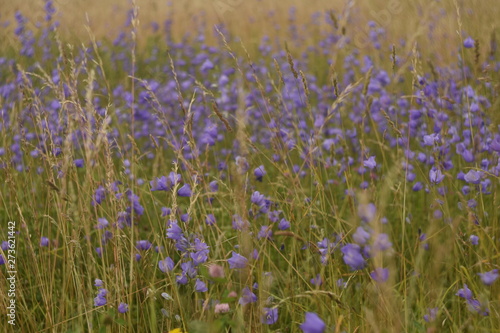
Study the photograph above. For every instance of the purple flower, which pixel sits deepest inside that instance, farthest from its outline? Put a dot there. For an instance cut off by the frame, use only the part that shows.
(99, 196)
(185, 191)
(237, 261)
(361, 236)
(465, 292)
(99, 301)
(474, 240)
(165, 183)
(98, 283)
(257, 198)
(143, 245)
(489, 277)
(469, 43)
(189, 269)
(380, 274)
(159, 184)
(247, 297)
(207, 65)
(44, 242)
(431, 315)
(436, 176)
(181, 279)
(214, 186)
(259, 172)
(265, 232)
(200, 286)
(270, 316)
(166, 265)
(102, 292)
(284, 224)
(123, 307)
(102, 223)
(199, 257)
(382, 242)
(313, 324)
(367, 212)
(239, 223)
(473, 177)
(242, 164)
(353, 257)
(475, 306)
(370, 163)
(317, 281)
(79, 163)
(174, 232)
(210, 220)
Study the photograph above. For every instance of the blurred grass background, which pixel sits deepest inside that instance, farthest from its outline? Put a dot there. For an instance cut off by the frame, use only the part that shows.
(424, 21)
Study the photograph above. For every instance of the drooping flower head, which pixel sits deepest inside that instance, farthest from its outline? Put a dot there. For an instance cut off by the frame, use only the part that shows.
(313, 324)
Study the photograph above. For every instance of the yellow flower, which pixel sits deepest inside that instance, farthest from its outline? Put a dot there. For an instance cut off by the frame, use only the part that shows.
(176, 330)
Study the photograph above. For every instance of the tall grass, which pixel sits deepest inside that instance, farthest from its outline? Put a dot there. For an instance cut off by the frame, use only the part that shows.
(310, 107)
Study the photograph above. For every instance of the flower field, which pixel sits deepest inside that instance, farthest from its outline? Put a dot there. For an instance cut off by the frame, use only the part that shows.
(322, 169)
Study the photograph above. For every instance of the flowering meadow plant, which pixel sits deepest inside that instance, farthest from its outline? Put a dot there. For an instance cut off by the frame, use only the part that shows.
(334, 175)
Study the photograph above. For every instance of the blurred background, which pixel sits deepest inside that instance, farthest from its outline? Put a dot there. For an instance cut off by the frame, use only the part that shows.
(436, 25)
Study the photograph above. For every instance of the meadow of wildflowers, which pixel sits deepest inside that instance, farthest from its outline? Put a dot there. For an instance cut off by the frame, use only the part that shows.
(331, 176)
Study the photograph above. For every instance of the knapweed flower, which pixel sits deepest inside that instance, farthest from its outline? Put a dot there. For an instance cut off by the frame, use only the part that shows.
(270, 316)
(123, 307)
(216, 271)
(237, 261)
(259, 173)
(489, 277)
(200, 286)
(221, 308)
(313, 324)
(370, 163)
